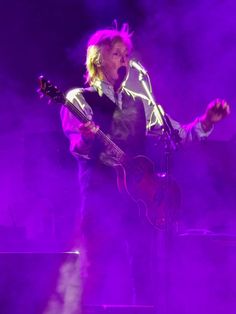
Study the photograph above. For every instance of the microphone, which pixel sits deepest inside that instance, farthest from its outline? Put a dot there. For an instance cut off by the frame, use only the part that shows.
(137, 66)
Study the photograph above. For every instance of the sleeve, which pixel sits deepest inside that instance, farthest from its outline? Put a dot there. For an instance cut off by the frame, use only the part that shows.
(191, 131)
(71, 125)
(187, 132)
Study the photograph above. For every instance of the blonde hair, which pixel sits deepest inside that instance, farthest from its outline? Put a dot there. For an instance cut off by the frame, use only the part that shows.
(104, 37)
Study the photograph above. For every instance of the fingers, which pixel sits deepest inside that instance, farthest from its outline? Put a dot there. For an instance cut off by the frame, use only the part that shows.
(88, 130)
(223, 107)
(226, 107)
(219, 105)
(90, 126)
(217, 110)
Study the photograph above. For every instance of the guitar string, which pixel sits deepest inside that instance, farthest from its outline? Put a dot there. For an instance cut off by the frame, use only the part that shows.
(47, 88)
(100, 133)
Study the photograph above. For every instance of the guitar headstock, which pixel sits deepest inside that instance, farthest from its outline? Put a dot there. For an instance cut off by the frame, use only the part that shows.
(46, 88)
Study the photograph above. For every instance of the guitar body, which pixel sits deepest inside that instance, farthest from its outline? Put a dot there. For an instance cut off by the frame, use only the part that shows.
(158, 197)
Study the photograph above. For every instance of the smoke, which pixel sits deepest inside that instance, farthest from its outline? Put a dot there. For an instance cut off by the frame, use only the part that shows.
(189, 51)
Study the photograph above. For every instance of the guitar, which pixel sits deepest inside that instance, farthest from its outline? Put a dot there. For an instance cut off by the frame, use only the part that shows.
(157, 196)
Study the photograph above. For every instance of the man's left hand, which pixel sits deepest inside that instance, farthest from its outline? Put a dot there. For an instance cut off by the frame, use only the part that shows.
(215, 112)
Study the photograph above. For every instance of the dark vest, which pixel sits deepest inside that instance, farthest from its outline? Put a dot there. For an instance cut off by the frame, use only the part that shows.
(126, 127)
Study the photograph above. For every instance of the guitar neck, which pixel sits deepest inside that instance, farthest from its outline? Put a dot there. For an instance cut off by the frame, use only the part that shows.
(79, 114)
(46, 88)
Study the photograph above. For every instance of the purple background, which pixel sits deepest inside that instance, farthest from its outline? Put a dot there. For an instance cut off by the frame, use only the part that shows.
(189, 49)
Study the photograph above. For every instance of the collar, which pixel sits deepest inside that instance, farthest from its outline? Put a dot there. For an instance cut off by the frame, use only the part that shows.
(103, 87)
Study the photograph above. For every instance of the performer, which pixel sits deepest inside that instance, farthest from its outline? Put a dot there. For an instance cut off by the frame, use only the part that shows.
(115, 243)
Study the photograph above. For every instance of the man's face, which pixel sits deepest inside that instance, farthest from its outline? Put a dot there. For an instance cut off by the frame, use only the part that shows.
(112, 58)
